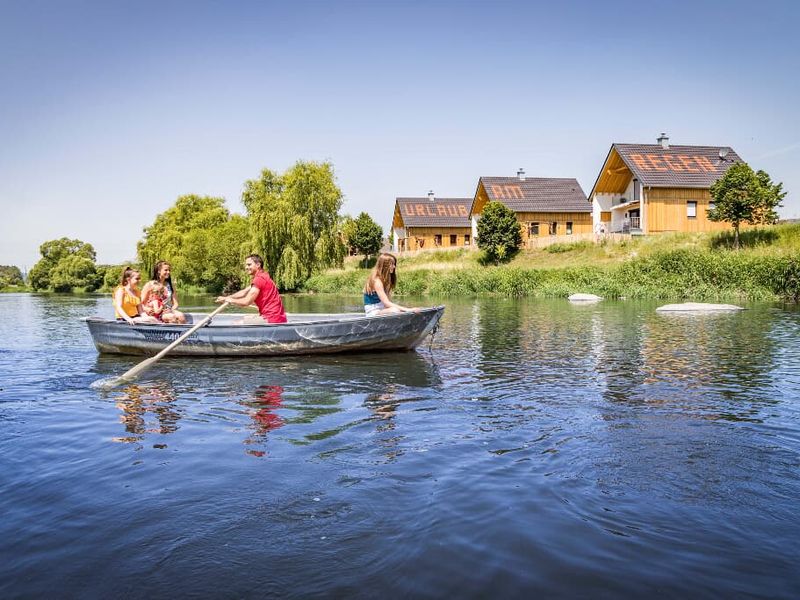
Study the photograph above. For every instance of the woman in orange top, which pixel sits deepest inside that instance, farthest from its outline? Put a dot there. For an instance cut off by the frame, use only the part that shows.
(127, 303)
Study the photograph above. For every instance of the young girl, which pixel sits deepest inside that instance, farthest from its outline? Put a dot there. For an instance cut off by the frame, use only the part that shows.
(378, 290)
(162, 274)
(127, 303)
(155, 305)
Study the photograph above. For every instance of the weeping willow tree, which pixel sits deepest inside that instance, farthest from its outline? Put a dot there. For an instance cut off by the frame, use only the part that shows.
(293, 219)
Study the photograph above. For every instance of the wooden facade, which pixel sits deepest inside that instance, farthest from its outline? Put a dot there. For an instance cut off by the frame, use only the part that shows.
(669, 209)
(539, 224)
(543, 206)
(428, 224)
(658, 188)
(426, 238)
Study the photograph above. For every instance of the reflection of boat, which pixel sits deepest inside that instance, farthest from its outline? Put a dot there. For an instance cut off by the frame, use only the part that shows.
(303, 334)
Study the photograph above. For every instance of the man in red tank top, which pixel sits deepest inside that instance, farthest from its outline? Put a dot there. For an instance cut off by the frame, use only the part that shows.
(262, 292)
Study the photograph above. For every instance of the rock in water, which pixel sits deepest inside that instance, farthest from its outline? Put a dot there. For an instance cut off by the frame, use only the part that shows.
(698, 307)
(584, 298)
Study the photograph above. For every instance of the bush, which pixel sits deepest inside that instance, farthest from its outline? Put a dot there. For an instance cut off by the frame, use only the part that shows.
(499, 233)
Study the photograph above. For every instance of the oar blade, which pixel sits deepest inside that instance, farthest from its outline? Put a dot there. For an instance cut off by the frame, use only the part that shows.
(109, 383)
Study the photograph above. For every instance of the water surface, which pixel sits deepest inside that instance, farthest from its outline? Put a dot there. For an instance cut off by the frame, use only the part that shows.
(532, 447)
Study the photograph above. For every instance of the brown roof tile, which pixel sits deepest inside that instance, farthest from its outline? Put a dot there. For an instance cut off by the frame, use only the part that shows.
(441, 212)
(676, 166)
(537, 194)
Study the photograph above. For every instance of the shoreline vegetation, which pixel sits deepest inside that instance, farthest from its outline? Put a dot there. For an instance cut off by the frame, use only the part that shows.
(686, 266)
(699, 267)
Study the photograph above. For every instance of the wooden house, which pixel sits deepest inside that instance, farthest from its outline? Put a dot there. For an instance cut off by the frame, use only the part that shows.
(425, 223)
(654, 188)
(545, 206)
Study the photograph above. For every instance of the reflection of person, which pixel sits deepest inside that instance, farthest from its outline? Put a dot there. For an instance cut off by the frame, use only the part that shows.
(262, 293)
(162, 274)
(378, 290)
(136, 402)
(127, 302)
(267, 399)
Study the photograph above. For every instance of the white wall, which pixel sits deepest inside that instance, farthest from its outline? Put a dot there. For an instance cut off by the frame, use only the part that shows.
(397, 234)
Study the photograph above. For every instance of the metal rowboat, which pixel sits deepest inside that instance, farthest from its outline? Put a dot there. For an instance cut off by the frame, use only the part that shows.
(303, 334)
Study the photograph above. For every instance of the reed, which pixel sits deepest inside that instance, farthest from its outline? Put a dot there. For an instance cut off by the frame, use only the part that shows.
(698, 273)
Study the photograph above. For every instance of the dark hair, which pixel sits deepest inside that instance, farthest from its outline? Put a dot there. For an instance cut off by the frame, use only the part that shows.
(257, 259)
(126, 275)
(157, 273)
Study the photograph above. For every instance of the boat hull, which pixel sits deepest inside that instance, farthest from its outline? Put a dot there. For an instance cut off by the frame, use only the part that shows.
(303, 334)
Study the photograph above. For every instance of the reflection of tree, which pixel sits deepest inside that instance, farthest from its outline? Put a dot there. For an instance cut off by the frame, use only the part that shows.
(140, 405)
(500, 335)
(265, 401)
(717, 364)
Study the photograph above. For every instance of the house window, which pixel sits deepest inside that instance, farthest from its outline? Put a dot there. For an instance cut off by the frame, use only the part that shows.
(691, 209)
(710, 206)
(554, 228)
(636, 190)
(569, 227)
(437, 239)
(466, 239)
(453, 238)
(533, 229)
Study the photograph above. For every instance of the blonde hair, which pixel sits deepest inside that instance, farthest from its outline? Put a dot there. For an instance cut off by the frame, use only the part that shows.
(381, 271)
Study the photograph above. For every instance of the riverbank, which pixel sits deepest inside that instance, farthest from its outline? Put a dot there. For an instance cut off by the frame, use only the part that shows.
(698, 267)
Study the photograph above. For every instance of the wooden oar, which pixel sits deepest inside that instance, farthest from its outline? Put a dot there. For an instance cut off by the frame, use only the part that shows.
(130, 374)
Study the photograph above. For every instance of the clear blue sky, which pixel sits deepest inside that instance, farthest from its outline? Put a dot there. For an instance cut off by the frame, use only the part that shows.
(111, 110)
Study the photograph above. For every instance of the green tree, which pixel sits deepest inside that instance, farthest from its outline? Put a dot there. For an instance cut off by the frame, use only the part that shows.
(745, 196)
(9, 276)
(294, 221)
(499, 233)
(366, 236)
(73, 271)
(65, 264)
(213, 258)
(166, 239)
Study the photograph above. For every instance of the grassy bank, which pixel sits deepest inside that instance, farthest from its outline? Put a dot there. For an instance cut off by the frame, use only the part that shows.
(700, 267)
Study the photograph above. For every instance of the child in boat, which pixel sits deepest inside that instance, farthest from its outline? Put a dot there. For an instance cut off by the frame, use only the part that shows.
(155, 301)
(379, 286)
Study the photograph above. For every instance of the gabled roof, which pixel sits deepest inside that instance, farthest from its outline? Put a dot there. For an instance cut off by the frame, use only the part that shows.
(536, 194)
(441, 212)
(673, 167)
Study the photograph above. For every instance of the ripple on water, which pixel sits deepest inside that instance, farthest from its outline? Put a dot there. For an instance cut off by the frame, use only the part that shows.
(540, 447)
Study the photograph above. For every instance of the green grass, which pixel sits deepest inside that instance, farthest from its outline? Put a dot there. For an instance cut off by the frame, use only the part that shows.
(698, 267)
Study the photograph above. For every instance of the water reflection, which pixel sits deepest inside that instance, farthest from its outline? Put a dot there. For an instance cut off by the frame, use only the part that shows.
(262, 408)
(311, 398)
(147, 409)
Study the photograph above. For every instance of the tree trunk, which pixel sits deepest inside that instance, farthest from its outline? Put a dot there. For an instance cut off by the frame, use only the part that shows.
(736, 236)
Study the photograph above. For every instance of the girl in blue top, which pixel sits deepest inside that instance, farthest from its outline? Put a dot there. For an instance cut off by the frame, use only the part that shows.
(378, 289)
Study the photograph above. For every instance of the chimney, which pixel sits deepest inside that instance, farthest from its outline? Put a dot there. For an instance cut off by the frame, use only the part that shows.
(431, 197)
(664, 141)
(521, 174)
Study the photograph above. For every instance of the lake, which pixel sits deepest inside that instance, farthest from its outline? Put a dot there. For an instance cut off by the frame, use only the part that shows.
(532, 447)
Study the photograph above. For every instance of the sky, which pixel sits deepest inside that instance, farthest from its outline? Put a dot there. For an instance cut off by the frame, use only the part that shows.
(111, 110)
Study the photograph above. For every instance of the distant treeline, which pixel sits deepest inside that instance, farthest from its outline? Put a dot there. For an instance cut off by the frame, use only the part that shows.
(292, 220)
